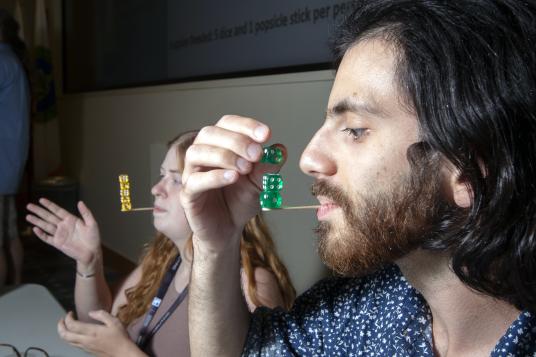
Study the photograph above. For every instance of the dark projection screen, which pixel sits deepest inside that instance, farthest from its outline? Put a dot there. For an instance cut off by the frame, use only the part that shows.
(114, 43)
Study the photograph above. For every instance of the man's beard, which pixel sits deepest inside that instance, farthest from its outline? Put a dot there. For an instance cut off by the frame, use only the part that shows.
(381, 227)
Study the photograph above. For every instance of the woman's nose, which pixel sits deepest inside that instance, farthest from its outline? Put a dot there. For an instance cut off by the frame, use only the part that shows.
(158, 189)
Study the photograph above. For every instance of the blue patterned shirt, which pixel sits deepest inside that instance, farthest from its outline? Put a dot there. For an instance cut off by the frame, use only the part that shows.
(378, 315)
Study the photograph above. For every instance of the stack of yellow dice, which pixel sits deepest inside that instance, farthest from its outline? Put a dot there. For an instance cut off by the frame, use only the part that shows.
(124, 192)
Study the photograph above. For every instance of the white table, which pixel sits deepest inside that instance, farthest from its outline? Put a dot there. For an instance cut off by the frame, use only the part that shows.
(28, 317)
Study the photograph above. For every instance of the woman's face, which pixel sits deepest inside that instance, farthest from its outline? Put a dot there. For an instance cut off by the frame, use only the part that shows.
(168, 214)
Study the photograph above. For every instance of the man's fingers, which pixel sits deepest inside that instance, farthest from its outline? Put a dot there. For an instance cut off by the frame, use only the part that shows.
(199, 182)
(233, 143)
(200, 157)
(246, 126)
(238, 143)
(54, 208)
(227, 147)
(43, 213)
(43, 225)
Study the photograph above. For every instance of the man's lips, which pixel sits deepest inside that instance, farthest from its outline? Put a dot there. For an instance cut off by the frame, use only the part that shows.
(325, 208)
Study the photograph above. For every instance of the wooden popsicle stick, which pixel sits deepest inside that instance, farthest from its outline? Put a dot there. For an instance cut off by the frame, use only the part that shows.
(264, 209)
(141, 209)
(291, 207)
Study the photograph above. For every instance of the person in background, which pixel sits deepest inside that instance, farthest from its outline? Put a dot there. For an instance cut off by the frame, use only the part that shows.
(425, 171)
(129, 325)
(14, 143)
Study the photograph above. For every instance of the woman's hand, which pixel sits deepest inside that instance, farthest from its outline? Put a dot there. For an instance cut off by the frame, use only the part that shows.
(107, 340)
(75, 237)
(222, 179)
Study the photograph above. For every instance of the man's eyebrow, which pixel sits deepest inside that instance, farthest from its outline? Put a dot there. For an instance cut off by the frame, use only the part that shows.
(352, 105)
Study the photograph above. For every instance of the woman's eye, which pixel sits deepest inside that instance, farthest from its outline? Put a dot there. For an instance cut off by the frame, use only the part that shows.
(356, 133)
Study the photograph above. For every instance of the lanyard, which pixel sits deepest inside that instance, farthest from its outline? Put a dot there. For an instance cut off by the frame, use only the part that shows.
(146, 335)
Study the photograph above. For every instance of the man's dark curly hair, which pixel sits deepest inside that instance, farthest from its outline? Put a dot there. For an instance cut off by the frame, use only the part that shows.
(468, 70)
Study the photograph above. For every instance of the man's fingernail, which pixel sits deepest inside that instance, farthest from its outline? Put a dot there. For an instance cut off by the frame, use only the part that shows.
(254, 151)
(229, 175)
(242, 164)
(261, 132)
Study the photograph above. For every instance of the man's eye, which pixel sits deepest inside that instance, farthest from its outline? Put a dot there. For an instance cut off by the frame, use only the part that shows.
(355, 133)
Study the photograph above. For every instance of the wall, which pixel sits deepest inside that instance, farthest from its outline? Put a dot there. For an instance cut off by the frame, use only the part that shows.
(124, 131)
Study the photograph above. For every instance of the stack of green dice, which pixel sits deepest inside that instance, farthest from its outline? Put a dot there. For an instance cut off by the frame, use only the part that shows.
(270, 196)
(272, 155)
(271, 183)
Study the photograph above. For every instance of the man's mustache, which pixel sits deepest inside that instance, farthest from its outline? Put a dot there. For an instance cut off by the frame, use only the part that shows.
(322, 188)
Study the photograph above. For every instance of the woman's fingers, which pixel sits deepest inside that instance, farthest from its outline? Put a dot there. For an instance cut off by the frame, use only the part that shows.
(69, 336)
(81, 328)
(86, 214)
(43, 213)
(103, 316)
(42, 235)
(54, 208)
(43, 225)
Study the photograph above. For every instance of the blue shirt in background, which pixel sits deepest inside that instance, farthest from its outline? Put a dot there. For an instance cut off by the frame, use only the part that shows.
(14, 120)
(378, 315)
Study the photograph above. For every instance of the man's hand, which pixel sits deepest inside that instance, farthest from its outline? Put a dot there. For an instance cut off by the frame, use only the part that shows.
(222, 179)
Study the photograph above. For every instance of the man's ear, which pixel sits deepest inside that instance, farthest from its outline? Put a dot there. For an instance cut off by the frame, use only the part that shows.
(459, 189)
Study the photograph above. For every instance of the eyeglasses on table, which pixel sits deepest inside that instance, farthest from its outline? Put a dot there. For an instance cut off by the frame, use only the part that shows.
(7, 350)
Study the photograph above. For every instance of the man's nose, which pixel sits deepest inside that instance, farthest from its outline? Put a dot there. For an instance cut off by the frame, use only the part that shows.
(317, 158)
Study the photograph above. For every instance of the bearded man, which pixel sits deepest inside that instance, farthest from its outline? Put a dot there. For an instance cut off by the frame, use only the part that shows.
(424, 169)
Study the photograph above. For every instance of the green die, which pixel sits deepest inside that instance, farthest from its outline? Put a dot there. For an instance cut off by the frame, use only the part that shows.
(272, 183)
(272, 155)
(270, 199)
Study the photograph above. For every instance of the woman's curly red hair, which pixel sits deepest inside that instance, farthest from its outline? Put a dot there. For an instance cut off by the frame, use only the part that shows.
(257, 250)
